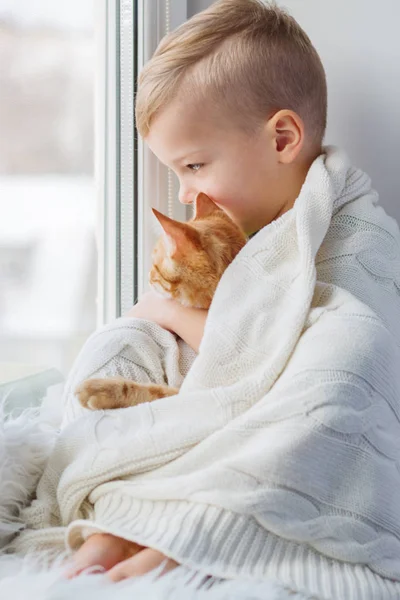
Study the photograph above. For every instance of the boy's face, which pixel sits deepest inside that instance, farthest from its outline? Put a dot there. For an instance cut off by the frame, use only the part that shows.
(238, 171)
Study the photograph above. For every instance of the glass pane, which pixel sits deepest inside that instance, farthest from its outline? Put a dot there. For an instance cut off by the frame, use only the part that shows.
(48, 254)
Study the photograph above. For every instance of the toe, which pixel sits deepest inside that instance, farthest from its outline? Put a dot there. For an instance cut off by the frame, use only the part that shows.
(102, 551)
(143, 562)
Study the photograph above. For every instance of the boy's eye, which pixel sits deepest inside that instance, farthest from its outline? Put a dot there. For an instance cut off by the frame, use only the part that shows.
(194, 166)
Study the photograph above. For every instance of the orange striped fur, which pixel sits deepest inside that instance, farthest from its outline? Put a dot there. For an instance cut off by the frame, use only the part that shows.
(188, 262)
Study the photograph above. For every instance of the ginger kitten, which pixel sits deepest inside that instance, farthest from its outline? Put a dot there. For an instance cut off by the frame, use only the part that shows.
(188, 262)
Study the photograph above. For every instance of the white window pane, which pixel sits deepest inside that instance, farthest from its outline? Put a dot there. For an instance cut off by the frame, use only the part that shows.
(48, 253)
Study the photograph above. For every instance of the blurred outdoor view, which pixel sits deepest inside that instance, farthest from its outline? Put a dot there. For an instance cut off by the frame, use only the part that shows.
(48, 255)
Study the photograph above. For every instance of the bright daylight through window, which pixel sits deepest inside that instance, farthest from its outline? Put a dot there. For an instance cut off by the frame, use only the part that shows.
(48, 253)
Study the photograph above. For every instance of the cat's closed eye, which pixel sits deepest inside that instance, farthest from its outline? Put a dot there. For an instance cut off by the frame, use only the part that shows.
(190, 257)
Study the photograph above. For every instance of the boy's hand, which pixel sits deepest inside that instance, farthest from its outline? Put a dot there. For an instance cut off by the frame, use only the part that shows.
(187, 323)
(153, 307)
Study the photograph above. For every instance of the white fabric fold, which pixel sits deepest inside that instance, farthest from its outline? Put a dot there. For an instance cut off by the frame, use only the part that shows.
(288, 418)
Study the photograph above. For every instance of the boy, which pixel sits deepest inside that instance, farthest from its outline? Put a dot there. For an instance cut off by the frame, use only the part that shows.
(240, 117)
(235, 103)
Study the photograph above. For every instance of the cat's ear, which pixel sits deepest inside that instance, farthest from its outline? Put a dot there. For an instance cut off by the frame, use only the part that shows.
(178, 237)
(204, 206)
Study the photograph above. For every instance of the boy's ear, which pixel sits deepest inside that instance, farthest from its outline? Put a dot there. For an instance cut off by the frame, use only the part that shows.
(178, 237)
(204, 206)
(287, 131)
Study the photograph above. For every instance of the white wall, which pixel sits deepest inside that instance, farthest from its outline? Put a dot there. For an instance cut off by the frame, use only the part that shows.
(359, 44)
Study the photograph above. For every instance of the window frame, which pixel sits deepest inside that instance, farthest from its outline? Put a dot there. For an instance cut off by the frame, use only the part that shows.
(127, 174)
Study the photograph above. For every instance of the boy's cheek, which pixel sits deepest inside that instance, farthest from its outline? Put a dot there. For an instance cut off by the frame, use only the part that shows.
(224, 198)
(231, 203)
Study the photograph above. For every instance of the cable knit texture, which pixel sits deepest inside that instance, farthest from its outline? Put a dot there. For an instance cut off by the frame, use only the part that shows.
(280, 456)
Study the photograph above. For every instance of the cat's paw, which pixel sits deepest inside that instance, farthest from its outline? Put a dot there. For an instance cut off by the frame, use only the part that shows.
(98, 394)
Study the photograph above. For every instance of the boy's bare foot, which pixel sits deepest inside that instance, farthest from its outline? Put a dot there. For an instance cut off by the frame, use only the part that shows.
(142, 562)
(102, 550)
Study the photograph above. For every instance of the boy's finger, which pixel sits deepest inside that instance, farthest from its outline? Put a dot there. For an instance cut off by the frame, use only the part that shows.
(100, 553)
(143, 562)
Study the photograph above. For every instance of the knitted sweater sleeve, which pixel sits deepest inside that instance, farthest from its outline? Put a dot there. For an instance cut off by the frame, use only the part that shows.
(136, 349)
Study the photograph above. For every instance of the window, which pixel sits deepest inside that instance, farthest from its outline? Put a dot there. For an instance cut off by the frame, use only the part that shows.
(76, 183)
(48, 254)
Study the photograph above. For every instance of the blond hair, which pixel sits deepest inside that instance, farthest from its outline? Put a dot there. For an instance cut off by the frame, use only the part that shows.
(250, 57)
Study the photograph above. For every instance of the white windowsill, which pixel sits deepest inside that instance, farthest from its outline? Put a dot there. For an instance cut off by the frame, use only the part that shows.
(24, 385)
(13, 372)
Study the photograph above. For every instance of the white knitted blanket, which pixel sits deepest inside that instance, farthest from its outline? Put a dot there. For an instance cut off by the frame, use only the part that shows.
(280, 457)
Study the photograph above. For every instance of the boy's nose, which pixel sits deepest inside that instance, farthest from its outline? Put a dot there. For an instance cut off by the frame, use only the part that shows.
(186, 196)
